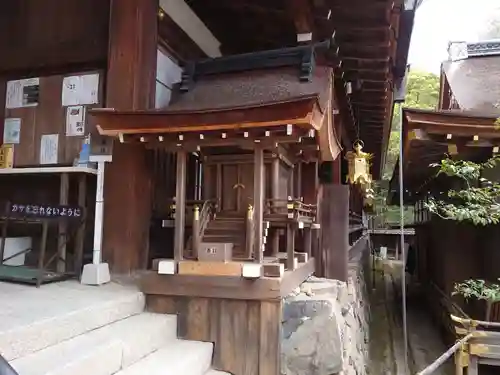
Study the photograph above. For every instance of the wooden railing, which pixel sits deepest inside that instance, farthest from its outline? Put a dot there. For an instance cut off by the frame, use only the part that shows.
(201, 218)
(356, 227)
(292, 208)
(199, 222)
(190, 206)
(250, 232)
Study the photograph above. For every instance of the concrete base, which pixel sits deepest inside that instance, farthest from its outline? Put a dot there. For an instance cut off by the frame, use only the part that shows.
(95, 274)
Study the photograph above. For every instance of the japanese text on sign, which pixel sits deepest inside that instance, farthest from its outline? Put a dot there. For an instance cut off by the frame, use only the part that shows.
(44, 211)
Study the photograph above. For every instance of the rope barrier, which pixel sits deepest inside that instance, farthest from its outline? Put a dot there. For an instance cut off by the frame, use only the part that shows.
(445, 356)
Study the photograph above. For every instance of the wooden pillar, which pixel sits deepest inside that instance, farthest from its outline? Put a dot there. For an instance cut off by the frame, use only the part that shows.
(334, 231)
(275, 173)
(308, 241)
(63, 225)
(258, 201)
(180, 205)
(130, 85)
(218, 186)
(298, 180)
(80, 234)
(290, 246)
(3, 89)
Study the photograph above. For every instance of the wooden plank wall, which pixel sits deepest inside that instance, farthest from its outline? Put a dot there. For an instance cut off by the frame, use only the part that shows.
(51, 35)
(246, 334)
(48, 117)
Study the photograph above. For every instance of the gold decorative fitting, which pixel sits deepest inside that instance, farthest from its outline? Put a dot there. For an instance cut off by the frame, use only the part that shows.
(250, 211)
(196, 213)
(239, 185)
(359, 165)
(161, 15)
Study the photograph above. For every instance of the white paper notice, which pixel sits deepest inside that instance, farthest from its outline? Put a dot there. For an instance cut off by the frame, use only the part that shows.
(12, 131)
(75, 121)
(18, 93)
(80, 90)
(49, 148)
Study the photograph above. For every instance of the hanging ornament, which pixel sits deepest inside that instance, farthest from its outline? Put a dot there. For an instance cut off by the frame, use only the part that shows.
(359, 165)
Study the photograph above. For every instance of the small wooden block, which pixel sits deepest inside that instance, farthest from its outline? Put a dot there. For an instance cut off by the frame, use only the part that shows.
(302, 257)
(315, 226)
(274, 270)
(166, 267)
(210, 268)
(251, 270)
(301, 224)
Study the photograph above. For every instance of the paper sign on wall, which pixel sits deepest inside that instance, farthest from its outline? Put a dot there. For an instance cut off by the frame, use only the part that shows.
(22, 93)
(75, 121)
(12, 131)
(80, 90)
(49, 147)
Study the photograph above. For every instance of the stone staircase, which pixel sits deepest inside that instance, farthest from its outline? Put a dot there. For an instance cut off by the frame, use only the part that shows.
(111, 335)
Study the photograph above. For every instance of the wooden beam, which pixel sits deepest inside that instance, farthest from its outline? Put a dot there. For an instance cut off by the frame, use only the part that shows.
(334, 231)
(302, 17)
(130, 85)
(180, 205)
(258, 201)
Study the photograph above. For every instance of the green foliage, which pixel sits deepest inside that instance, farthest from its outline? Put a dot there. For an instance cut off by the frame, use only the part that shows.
(476, 202)
(478, 289)
(422, 93)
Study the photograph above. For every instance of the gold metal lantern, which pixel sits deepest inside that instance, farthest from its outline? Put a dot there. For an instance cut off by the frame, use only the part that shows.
(359, 165)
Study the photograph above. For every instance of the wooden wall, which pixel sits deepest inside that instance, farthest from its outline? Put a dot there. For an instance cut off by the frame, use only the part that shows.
(246, 334)
(450, 252)
(48, 117)
(51, 35)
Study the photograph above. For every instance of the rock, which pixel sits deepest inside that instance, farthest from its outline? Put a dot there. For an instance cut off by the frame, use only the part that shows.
(325, 327)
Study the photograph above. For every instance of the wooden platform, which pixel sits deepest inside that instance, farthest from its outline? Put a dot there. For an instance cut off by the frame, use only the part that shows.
(241, 317)
(264, 288)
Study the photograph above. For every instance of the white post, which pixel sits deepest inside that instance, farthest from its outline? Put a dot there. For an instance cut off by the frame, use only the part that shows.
(99, 211)
(97, 273)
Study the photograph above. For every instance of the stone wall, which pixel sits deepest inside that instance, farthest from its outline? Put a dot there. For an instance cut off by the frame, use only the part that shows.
(325, 326)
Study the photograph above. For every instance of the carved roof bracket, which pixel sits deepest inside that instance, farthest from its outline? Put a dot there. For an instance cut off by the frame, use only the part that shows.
(301, 56)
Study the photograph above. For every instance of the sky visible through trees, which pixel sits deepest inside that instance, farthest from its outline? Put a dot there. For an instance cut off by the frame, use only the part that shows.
(422, 93)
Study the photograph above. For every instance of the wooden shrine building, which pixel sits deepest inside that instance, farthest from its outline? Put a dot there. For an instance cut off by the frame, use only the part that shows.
(462, 127)
(204, 145)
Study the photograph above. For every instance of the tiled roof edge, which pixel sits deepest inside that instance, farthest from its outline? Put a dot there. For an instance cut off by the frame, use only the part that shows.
(485, 48)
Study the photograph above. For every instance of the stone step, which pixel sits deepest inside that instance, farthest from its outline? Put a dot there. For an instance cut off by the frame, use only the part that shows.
(216, 372)
(34, 320)
(103, 351)
(180, 357)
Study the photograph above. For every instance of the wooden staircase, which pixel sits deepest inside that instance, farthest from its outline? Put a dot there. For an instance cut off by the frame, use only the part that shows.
(228, 227)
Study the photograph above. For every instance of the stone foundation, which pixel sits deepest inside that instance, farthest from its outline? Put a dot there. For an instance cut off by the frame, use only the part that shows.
(325, 327)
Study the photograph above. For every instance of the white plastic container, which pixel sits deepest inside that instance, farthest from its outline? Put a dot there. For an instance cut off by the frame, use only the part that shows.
(14, 245)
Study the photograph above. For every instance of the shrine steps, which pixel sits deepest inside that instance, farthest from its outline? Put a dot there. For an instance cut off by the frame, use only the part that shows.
(107, 334)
